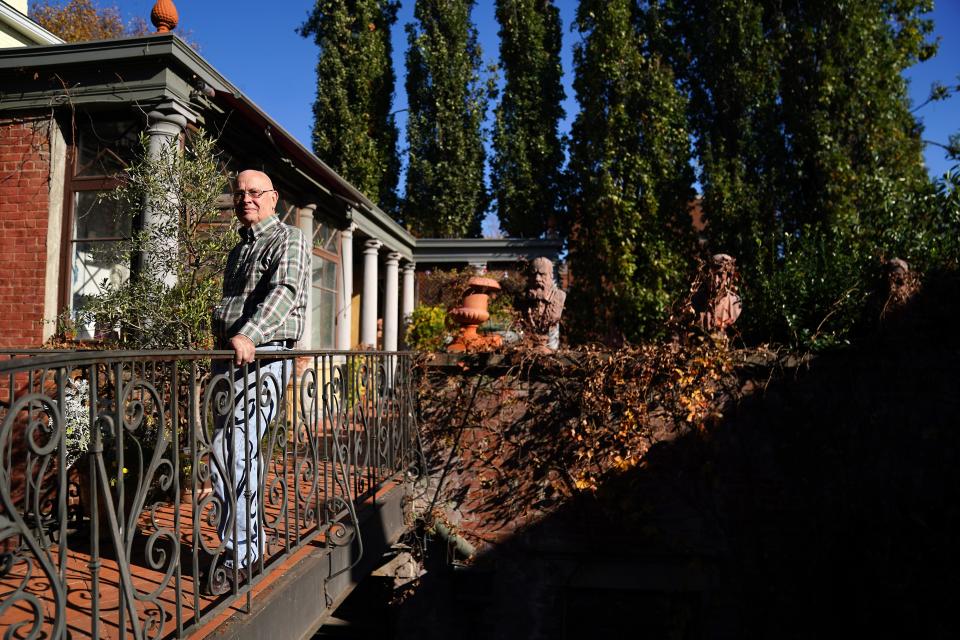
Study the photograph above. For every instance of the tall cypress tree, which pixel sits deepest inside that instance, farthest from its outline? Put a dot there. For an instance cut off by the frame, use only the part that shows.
(527, 165)
(630, 163)
(353, 129)
(445, 191)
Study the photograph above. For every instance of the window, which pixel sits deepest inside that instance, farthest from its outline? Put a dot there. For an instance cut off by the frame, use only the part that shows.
(323, 297)
(97, 246)
(94, 245)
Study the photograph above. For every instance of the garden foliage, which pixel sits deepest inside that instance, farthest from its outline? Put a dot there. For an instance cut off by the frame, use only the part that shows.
(630, 242)
(82, 20)
(809, 159)
(178, 257)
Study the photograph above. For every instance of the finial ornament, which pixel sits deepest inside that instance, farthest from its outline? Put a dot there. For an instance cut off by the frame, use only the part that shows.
(164, 16)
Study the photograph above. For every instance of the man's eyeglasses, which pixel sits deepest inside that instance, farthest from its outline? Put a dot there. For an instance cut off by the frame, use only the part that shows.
(253, 193)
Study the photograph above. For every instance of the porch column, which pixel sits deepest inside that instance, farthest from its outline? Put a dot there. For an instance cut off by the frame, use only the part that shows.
(368, 317)
(305, 223)
(163, 130)
(406, 309)
(345, 299)
(391, 301)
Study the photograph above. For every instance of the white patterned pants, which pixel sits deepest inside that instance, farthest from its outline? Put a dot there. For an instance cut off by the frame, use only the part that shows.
(237, 451)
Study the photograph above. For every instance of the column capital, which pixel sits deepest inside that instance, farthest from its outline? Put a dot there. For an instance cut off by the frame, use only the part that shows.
(347, 231)
(372, 246)
(393, 258)
(409, 266)
(167, 120)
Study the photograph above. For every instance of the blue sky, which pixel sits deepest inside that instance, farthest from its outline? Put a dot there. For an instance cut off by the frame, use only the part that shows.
(255, 45)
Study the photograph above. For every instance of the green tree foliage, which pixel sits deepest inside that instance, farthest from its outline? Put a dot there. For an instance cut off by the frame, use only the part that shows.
(188, 239)
(445, 191)
(527, 165)
(630, 243)
(810, 160)
(354, 130)
(81, 20)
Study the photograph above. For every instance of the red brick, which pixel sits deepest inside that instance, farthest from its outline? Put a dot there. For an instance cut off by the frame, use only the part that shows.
(24, 203)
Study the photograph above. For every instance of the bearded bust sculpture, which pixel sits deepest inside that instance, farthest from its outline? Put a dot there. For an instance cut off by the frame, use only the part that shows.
(543, 304)
(717, 301)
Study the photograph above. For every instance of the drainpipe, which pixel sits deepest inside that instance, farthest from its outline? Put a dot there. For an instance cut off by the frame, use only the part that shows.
(466, 549)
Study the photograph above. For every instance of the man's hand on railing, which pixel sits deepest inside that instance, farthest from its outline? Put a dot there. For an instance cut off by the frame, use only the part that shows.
(243, 349)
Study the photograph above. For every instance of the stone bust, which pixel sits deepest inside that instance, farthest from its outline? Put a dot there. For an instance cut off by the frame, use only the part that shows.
(717, 302)
(543, 304)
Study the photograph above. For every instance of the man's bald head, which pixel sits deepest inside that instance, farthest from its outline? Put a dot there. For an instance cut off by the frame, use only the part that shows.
(254, 198)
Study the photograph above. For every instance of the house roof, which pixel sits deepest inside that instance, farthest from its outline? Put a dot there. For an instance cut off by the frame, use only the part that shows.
(473, 250)
(24, 27)
(161, 68)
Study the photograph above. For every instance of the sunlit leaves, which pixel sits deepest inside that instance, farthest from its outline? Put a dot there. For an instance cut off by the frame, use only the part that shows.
(630, 164)
(81, 20)
(445, 192)
(188, 238)
(354, 130)
(526, 167)
(810, 161)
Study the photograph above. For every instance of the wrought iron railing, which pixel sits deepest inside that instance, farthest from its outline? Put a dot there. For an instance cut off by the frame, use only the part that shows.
(111, 520)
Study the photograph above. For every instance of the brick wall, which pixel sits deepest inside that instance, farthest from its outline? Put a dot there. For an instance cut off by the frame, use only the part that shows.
(24, 210)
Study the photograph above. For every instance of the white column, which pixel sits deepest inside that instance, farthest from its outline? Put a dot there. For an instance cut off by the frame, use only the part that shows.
(305, 222)
(391, 301)
(368, 314)
(345, 299)
(406, 309)
(164, 130)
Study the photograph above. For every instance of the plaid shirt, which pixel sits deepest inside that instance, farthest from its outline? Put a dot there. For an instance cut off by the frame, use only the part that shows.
(264, 285)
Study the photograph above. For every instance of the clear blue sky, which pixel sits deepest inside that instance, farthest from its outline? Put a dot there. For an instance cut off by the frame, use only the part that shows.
(254, 44)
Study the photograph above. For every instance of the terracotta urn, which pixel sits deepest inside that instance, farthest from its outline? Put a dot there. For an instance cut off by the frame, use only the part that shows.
(472, 314)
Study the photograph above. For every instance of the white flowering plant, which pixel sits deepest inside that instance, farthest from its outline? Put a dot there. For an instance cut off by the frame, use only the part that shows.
(76, 418)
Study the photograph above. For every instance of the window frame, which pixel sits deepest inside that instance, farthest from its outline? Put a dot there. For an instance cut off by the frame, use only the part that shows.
(73, 184)
(329, 256)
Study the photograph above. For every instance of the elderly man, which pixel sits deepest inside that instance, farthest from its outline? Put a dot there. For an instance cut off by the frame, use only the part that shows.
(263, 306)
(544, 304)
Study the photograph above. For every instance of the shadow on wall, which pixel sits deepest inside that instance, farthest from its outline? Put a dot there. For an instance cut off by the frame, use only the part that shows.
(827, 504)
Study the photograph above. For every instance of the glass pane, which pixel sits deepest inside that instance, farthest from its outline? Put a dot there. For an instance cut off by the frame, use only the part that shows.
(324, 310)
(328, 310)
(329, 275)
(318, 264)
(320, 234)
(287, 212)
(323, 301)
(93, 266)
(94, 218)
(325, 237)
(105, 146)
(316, 331)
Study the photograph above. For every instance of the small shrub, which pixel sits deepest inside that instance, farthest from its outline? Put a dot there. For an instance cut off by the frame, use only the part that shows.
(427, 328)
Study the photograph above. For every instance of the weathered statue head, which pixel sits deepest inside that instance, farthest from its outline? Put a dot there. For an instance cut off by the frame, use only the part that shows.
(540, 282)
